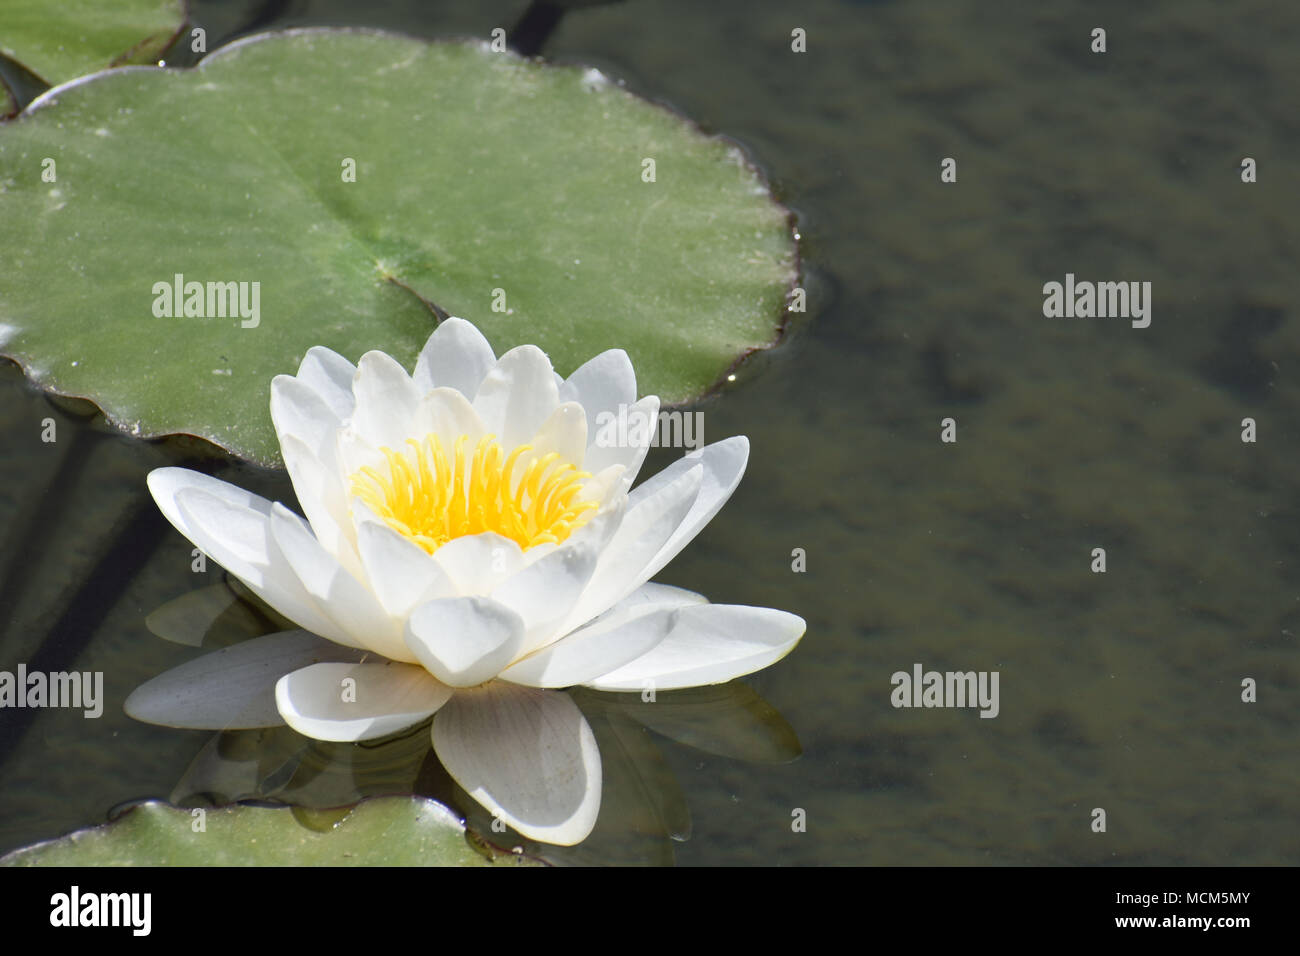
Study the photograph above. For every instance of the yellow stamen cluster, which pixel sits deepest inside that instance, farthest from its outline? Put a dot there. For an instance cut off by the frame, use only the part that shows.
(431, 499)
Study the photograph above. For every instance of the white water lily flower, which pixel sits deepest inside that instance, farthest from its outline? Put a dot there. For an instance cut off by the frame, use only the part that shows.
(472, 535)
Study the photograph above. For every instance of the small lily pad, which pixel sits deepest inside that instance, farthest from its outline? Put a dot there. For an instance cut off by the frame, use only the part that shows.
(346, 189)
(385, 831)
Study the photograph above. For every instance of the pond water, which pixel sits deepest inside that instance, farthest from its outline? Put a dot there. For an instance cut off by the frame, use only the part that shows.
(1119, 690)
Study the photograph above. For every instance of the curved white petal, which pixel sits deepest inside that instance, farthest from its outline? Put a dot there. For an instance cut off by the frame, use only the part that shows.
(606, 383)
(477, 563)
(232, 527)
(345, 702)
(455, 356)
(464, 641)
(233, 688)
(330, 376)
(320, 493)
(166, 483)
(565, 433)
(296, 409)
(645, 527)
(308, 427)
(710, 644)
(517, 395)
(400, 572)
(544, 592)
(617, 637)
(353, 451)
(387, 401)
(448, 414)
(526, 755)
(349, 603)
(623, 438)
(724, 465)
(605, 488)
(662, 595)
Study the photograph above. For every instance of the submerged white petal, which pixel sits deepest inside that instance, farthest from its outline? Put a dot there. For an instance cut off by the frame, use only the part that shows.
(357, 701)
(526, 755)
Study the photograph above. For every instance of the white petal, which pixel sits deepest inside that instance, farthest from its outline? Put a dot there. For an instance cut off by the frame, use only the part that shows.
(400, 572)
(357, 701)
(544, 592)
(320, 493)
(477, 563)
(526, 755)
(663, 595)
(606, 383)
(387, 401)
(448, 414)
(466, 640)
(233, 688)
(623, 438)
(166, 483)
(296, 409)
(564, 433)
(710, 644)
(605, 487)
(330, 376)
(517, 395)
(646, 525)
(231, 526)
(617, 637)
(456, 356)
(346, 600)
(724, 465)
(353, 451)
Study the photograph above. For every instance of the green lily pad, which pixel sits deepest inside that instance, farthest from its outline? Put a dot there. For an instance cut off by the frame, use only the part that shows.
(385, 831)
(483, 181)
(63, 40)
